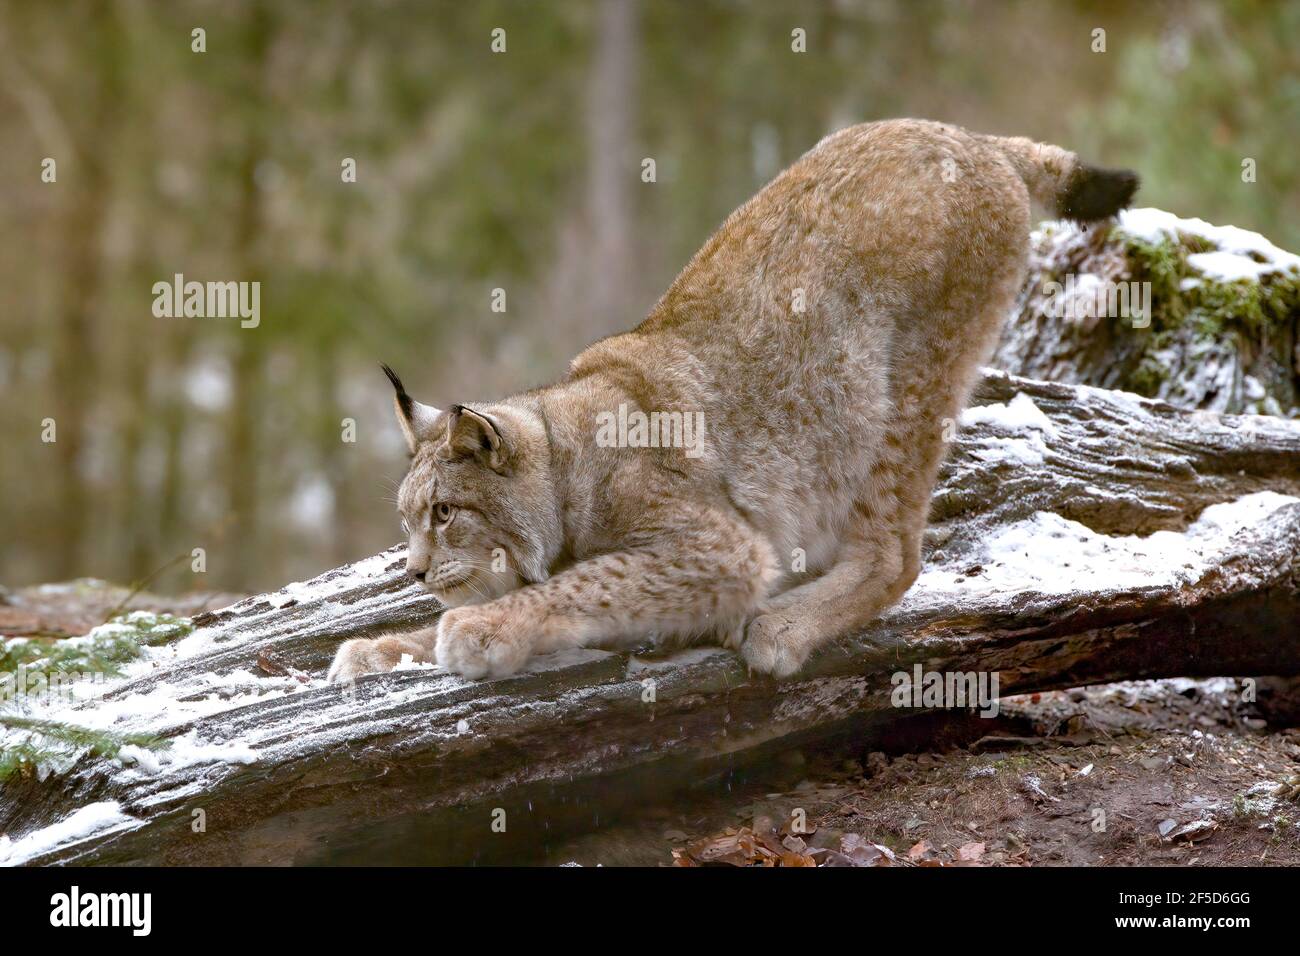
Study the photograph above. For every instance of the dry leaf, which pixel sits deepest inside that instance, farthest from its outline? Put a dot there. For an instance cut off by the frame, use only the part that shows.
(921, 852)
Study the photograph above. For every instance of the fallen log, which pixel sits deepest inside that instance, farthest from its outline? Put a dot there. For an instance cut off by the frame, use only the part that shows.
(1079, 536)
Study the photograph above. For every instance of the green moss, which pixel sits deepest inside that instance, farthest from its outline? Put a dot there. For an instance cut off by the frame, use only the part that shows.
(22, 758)
(31, 742)
(1013, 763)
(1241, 807)
(1215, 305)
(46, 741)
(1164, 265)
(1254, 313)
(103, 651)
(1149, 375)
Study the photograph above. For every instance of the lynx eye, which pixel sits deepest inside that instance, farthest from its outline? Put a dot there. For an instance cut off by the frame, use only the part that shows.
(443, 512)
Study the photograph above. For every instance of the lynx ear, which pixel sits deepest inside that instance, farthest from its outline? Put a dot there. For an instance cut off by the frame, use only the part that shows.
(417, 420)
(470, 434)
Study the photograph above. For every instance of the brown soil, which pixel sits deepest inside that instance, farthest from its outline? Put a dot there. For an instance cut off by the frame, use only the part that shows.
(1173, 772)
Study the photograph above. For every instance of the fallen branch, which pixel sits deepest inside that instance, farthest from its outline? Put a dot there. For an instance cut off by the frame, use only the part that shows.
(1073, 542)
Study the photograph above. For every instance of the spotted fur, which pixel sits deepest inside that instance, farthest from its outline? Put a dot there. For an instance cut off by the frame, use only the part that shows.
(829, 332)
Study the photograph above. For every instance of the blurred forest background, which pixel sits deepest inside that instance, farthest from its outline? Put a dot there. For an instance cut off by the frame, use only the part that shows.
(476, 170)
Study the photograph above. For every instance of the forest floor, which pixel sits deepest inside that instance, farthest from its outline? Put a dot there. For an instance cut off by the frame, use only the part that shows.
(74, 607)
(1177, 772)
(1170, 772)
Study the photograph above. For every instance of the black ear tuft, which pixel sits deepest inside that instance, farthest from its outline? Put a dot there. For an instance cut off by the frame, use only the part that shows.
(403, 400)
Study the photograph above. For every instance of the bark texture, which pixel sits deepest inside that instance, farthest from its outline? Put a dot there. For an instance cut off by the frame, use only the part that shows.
(1220, 330)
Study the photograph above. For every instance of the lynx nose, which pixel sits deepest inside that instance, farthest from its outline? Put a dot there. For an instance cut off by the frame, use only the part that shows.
(417, 575)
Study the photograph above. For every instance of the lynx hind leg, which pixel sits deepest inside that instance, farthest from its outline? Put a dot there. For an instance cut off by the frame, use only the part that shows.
(381, 654)
(880, 554)
(869, 577)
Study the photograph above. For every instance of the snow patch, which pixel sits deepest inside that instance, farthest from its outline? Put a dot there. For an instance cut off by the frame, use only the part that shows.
(92, 819)
(372, 567)
(1229, 266)
(409, 663)
(185, 751)
(1049, 554)
(1019, 414)
(1020, 451)
(1239, 253)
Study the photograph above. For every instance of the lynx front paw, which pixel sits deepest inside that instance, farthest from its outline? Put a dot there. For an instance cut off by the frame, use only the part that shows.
(379, 656)
(354, 658)
(481, 641)
(772, 645)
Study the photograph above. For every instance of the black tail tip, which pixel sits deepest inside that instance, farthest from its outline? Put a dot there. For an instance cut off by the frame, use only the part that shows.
(1093, 193)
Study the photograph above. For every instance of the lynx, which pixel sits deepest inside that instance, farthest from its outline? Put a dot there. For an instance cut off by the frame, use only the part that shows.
(821, 337)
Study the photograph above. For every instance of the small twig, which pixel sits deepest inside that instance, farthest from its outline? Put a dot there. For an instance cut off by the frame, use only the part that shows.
(141, 585)
(267, 663)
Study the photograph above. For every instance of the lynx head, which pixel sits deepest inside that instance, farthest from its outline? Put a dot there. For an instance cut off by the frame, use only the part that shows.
(477, 504)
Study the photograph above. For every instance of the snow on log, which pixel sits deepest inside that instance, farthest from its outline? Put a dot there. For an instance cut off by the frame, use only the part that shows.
(1079, 536)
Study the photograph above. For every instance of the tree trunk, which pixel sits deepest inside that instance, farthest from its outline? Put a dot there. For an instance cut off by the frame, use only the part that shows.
(76, 369)
(1042, 568)
(592, 288)
(173, 526)
(612, 173)
(240, 551)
